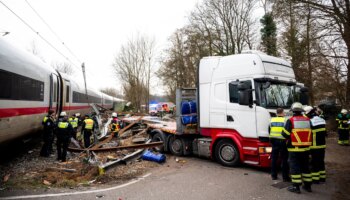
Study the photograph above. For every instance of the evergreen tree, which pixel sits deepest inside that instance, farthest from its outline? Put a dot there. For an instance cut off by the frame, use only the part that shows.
(268, 34)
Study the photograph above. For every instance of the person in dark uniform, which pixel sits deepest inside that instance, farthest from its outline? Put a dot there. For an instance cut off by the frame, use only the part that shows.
(318, 147)
(64, 132)
(343, 127)
(114, 125)
(297, 131)
(48, 137)
(74, 122)
(87, 129)
(279, 147)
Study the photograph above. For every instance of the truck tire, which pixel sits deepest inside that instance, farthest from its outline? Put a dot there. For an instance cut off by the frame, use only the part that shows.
(227, 153)
(158, 138)
(176, 146)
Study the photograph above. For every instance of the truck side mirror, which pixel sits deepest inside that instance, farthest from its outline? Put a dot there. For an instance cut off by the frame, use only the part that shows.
(245, 93)
(304, 96)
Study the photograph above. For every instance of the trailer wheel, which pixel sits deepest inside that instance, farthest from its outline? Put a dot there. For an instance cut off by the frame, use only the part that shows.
(158, 138)
(227, 153)
(176, 146)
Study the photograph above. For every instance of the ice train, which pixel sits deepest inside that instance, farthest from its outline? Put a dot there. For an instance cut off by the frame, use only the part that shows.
(29, 88)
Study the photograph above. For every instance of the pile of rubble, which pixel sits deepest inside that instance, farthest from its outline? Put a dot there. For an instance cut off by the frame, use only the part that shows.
(110, 160)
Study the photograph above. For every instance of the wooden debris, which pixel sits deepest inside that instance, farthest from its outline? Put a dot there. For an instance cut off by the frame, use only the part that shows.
(6, 177)
(45, 182)
(62, 169)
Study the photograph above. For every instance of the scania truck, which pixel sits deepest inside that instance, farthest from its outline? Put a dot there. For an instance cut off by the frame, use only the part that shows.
(226, 118)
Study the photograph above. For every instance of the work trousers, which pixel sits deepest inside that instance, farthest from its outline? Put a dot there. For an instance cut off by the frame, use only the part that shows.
(62, 146)
(299, 168)
(318, 171)
(75, 133)
(48, 137)
(279, 151)
(343, 136)
(87, 134)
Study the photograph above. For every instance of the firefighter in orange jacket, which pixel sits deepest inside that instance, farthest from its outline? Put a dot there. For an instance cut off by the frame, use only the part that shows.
(297, 131)
(114, 125)
(88, 127)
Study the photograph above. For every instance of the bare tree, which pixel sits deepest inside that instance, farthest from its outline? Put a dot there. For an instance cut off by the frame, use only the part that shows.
(133, 65)
(63, 67)
(111, 91)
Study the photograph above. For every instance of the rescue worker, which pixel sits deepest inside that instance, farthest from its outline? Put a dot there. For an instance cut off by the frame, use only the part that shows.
(64, 133)
(279, 147)
(74, 122)
(48, 137)
(297, 131)
(80, 121)
(343, 127)
(317, 149)
(94, 117)
(88, 127)
(114, 125)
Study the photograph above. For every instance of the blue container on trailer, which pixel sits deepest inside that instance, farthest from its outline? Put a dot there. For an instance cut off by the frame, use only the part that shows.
(194, 119)
(186, 120)
(185, 108)
(193, 107)
(148, 155)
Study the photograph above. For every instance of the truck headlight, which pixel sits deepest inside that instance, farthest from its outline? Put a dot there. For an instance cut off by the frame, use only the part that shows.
(263, 150)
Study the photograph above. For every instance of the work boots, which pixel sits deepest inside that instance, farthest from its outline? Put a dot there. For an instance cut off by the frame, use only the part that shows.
(294, 188)
(307, 187)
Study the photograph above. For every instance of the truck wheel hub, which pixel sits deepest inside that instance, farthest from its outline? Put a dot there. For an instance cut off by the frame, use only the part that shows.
(176, 145)
(227, 153)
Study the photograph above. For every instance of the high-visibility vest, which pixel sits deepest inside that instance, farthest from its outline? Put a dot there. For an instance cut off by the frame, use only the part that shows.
(343, 121)
(115, 125)
(276, 127)
(45, 119)
(89, 124)
(318, 127)
(301, 131)
(74, 122)
(63, 125)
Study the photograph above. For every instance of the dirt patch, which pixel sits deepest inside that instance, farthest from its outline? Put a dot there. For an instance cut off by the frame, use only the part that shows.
(29, 171)
(338, 166)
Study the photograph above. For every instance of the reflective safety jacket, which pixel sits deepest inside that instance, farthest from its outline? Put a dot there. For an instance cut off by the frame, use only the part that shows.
(48, 122)
(88, 124)
(298, 132)
(115, 127)
(64, 129)
(276, 127)
(318, 127)
(73, 121)
(343, 121)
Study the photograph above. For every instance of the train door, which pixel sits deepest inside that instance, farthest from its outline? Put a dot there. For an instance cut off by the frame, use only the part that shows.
(55, 93)
(67, 95)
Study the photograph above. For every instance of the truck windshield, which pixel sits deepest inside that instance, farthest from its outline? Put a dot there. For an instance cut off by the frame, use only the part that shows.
(275, 94)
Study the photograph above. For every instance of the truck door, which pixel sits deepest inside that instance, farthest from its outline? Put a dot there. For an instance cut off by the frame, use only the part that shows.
(240, 117)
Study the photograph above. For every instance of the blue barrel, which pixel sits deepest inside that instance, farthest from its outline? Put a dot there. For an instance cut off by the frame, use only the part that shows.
(194, 119)
(148, 155)
(185, 108)
(186, 120)
(193, 107)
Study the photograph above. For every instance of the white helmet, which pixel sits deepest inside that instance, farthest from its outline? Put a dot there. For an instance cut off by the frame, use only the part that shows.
(114, 114)
(77, 114)
(63, 114)
(308, 109)
(344, 111)
(297, 107)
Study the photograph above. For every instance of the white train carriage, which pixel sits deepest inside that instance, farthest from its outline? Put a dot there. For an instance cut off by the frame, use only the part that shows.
(29, 88)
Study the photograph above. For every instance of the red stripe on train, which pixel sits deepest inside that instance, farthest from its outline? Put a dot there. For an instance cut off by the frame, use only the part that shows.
(11, 112)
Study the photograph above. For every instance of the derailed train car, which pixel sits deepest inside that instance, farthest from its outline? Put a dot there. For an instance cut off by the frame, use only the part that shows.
(29, 88)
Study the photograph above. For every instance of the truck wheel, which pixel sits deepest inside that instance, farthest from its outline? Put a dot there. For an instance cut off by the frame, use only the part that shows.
(158, 138)
(176, 146)
(227, 153)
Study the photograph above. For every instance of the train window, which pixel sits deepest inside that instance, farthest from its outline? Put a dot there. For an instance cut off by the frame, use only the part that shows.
(81, 98)
(67, 94)
(18, 87)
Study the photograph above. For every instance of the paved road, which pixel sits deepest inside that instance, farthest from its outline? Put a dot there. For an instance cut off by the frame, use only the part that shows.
(199, 179)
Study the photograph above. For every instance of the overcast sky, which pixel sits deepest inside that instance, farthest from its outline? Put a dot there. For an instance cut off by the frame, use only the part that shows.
(93, 30)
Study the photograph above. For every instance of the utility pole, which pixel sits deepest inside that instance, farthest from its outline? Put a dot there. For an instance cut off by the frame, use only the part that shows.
(86, 92)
